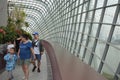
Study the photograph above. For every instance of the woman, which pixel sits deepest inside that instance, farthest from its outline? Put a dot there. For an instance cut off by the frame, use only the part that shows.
(24, 53)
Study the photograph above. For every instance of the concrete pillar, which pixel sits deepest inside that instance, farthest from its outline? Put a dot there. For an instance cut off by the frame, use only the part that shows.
(3, 13)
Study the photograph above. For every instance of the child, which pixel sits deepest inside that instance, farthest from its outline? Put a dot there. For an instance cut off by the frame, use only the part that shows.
(10, 59)
(10, 45)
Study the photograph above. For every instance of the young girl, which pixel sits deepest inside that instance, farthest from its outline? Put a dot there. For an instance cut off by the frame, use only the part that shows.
(10, 59)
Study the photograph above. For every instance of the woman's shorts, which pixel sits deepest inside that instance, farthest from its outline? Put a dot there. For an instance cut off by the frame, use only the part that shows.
(24, 62)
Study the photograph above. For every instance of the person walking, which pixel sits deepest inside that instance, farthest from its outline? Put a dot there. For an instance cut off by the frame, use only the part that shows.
(10, 59)
(10, 45)
(38, 50)
(24, 53)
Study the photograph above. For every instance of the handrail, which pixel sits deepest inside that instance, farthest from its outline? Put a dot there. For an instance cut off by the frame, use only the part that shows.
(66, 66)
(54, 65)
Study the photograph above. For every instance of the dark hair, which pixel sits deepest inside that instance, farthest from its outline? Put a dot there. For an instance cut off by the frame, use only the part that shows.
(17, 36)
(12, 41)
(25, 36)
(13, 48)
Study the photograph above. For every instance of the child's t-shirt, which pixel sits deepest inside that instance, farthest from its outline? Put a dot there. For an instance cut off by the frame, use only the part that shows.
(10, 61)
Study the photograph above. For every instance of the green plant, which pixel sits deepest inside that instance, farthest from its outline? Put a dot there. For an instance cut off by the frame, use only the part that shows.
(2, 33)
(16, 18)
(8, 34)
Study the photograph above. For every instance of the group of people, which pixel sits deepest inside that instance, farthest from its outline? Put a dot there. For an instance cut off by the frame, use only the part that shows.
(26, 52)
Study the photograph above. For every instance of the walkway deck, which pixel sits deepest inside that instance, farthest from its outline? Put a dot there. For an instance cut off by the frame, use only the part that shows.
(18, 74)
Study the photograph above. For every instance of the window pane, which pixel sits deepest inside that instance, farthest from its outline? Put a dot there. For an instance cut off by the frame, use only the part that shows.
(111, 2)
(85, 7)
(81, 27)
(97, 15)
(80, 7)
(89, 16)
(113, 58)
(84, 40)
(87, 56)
(100, 3)
(116, 37)
(100, 49)
(107, 73)
(94, 30)
(78, 19)
(77, 48)
(104, 32)
(95, 63)
(87, 28)
(83, 17)
(91, 42)
(81, 52)
(118, 20)
(79, 37)
(109, 15)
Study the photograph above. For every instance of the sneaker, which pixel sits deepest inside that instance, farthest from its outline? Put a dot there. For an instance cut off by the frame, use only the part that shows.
(12, 78)
(33, 68)
(38, 70)
(23, 78)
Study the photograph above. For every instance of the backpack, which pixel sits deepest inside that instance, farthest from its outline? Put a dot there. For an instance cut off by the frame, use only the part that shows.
(38, 43)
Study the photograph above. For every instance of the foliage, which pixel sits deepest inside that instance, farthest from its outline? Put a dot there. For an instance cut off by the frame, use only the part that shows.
(9, 34)
(24, 32)
(16, 20)
(2, 33)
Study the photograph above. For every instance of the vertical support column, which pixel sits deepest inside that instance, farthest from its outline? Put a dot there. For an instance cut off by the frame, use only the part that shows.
(3, 13)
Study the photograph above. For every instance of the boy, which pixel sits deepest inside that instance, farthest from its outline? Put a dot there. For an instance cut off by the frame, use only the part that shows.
(10, 59)
(10, 45)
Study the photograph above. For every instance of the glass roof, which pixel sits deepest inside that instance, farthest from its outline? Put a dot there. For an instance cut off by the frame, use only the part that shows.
(32, 25)
(36, 10)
